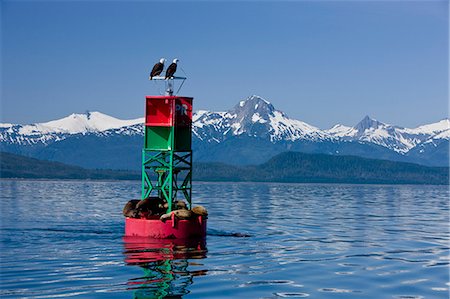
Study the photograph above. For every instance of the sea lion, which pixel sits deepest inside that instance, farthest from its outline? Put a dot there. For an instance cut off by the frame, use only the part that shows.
(180, 214)
(183, 214)
(129, 210)
(179, 205)
(200, 210)
(152, 206)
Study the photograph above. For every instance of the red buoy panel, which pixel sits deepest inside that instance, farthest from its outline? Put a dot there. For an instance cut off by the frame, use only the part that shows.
(168, 111)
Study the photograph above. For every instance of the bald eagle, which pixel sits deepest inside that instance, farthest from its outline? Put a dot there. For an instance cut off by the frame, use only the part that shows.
(171, 69)
(157, 68)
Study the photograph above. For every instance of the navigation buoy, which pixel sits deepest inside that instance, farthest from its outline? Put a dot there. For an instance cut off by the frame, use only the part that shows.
(165, 209)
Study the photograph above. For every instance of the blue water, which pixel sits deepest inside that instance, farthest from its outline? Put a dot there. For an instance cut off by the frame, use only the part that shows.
(64, 239)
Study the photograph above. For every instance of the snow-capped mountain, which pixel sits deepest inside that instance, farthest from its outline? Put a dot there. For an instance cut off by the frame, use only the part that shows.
(82, 123)
(56, 130)
(250, 132)
(398, 139)
(254, 117)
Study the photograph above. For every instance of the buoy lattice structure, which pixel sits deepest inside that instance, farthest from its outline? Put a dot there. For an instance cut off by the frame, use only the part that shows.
(167, 154)
(167, 168)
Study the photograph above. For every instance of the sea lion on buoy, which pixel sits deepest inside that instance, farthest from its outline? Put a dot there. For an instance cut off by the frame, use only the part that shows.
(129, 210)
(179, 205)
(183, 214)
(200, 210)
(143, 204)
(180, 214)
(151, 206)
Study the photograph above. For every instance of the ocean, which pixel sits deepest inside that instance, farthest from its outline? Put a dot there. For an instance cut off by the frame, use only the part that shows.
(265, 240)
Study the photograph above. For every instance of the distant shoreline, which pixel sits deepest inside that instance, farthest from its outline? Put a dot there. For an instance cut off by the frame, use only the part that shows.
(288, 167)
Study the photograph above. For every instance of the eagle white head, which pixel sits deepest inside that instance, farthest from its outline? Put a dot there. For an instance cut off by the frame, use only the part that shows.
(175, 60)
(162, 60)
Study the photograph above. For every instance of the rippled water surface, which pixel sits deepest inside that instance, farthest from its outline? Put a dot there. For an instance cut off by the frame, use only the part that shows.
(65, 239)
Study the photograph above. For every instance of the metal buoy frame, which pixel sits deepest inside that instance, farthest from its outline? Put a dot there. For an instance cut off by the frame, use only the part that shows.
(167, 166)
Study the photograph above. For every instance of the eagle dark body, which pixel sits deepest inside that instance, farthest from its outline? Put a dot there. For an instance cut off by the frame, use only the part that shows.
(171, 70)
(157, 70)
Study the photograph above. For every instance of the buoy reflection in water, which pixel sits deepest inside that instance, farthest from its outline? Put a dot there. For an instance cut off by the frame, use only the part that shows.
(165, 264)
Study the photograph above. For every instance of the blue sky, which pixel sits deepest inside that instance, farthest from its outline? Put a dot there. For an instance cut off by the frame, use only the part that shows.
(323, 62)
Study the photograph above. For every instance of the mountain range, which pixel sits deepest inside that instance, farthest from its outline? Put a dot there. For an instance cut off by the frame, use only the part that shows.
(251, 132)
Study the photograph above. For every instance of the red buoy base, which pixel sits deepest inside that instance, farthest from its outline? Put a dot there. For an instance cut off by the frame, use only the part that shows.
(170, 229)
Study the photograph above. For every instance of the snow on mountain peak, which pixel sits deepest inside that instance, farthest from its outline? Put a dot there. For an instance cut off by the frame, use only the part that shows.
(257, 118)
(254, 100)
(79, 123)
(434, 128)
(368, 123)
(198, 114)
(284, 128)
(341, 131)
(254, 108)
